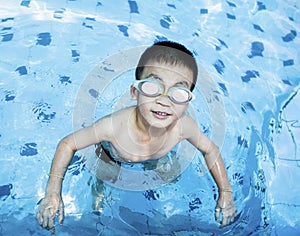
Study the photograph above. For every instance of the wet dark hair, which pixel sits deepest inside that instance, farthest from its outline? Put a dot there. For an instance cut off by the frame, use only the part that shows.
(171, 53)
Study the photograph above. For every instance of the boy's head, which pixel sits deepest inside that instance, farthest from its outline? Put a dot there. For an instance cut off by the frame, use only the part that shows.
(167, 52)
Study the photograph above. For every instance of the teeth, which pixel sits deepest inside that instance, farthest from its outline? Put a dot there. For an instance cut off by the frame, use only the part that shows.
(161, 113)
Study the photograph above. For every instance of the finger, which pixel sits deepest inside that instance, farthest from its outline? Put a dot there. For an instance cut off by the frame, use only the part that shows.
(39, 214)
(61, 213)
(52, 230)
(217, 213)
(51, 225)
(51, 218)
(48, 217)
(45, 221)
(231, 215)
(225, 221)
(39, 218)
(228, 216)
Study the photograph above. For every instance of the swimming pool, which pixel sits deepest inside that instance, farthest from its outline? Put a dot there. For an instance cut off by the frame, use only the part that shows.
(250, 49)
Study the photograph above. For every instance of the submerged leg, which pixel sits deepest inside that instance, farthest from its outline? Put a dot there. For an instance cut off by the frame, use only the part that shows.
(98, 195)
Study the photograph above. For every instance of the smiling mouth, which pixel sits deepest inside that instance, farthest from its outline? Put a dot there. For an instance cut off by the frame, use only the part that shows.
(160, 114)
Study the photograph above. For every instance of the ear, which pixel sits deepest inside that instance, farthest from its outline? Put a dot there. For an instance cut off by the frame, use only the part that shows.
(133, 92)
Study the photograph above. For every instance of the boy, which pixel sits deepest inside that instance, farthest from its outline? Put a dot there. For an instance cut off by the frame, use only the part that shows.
(165, 78)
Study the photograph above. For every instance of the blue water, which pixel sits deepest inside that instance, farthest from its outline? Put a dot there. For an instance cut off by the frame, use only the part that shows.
(249, 50)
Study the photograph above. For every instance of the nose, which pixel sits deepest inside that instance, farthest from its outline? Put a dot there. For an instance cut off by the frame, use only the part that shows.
(163, 100)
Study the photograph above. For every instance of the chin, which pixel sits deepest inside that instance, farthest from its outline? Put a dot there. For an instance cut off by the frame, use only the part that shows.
(161, 124)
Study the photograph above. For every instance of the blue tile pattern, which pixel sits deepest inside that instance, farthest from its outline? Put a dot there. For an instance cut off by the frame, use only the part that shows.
(250, 49)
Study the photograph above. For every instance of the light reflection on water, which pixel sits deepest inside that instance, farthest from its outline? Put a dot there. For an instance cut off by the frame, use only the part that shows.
(250, 50)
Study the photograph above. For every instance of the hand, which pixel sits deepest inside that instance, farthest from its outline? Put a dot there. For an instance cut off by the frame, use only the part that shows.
(225, 207)
(50, 206)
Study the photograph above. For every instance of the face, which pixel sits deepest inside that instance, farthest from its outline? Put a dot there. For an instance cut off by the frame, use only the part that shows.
(160, 111)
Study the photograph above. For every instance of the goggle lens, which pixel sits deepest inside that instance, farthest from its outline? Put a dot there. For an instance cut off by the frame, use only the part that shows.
(152, 88)
(149, 88)
(179, 95)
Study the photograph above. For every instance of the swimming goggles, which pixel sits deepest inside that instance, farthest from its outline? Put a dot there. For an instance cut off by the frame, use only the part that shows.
(152, 88)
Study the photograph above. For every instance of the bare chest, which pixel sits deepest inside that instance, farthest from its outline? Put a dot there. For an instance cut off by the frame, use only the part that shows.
(132, 151)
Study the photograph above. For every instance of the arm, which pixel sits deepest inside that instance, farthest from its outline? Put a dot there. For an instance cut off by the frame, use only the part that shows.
(213, 159)
(225, 204)
(52, 204)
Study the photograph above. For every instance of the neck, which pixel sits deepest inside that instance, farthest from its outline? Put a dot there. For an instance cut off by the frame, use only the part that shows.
(146, 131)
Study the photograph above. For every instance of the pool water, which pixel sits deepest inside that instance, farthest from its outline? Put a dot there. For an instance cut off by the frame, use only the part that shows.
(250, 50)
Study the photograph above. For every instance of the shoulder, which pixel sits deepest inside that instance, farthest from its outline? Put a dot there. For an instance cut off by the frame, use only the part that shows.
(121, 117)
(116, 116)
(188, 122)
(109, 125)
(189, 126)
(195, 136)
